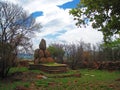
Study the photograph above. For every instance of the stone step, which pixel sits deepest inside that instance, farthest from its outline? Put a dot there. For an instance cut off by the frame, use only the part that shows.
(49, 69)
(56, 71)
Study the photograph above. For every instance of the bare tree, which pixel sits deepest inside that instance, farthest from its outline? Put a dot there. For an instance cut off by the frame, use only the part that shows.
(85, 55)
(74, 54)
(16, 29)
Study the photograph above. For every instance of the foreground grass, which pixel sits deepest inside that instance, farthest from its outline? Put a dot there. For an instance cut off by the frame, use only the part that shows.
(89, 80)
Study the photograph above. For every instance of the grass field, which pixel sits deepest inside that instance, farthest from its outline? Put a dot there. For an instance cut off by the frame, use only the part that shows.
(82, 79)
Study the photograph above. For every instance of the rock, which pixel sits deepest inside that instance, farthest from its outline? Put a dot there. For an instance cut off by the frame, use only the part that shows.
(47, 53)
(52, 83)
(50, 60)
(41, 53)
(36, 61)
(77, 75)
(43, 60)
(36, 53)
(44, 77)
(42, 44)
(39, 76)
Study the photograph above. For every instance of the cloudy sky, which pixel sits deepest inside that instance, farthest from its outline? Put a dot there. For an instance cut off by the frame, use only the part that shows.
(58, 25)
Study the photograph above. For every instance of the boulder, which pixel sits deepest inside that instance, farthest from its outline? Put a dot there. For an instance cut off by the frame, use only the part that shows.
(47, 53)
(43, 60)
(41, 53)
(36, 61)
(50, 60)
(42, 44)
(36, 54)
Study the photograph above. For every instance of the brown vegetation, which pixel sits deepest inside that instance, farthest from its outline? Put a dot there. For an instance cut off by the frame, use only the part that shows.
(85, 55)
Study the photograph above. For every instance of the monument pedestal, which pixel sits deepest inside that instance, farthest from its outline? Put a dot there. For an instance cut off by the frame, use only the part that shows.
(48, 68)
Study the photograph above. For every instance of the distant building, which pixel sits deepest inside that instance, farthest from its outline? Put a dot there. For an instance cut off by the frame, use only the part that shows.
(25, 56)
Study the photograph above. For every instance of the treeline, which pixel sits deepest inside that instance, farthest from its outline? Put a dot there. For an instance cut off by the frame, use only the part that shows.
(85, 55)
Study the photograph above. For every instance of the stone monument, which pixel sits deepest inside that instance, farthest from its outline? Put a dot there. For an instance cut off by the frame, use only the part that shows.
(42, 55)
(43, 61)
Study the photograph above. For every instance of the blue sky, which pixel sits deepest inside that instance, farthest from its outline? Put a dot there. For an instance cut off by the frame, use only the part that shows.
(72, 4)
(68, 5)
(37, 14)
(58, 25)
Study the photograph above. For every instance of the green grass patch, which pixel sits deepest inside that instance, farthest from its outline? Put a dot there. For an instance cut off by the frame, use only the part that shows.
(53, 64)
(31, 62)
(89, 80)
(13, 85)
(18, 69)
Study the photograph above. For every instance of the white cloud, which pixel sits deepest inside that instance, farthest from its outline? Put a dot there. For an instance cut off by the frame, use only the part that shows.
(55, 19)
(87, 35)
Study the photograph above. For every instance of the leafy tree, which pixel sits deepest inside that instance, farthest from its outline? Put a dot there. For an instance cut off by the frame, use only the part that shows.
(57, 51)
(52, 50)
(103, 14)
(16, 29)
